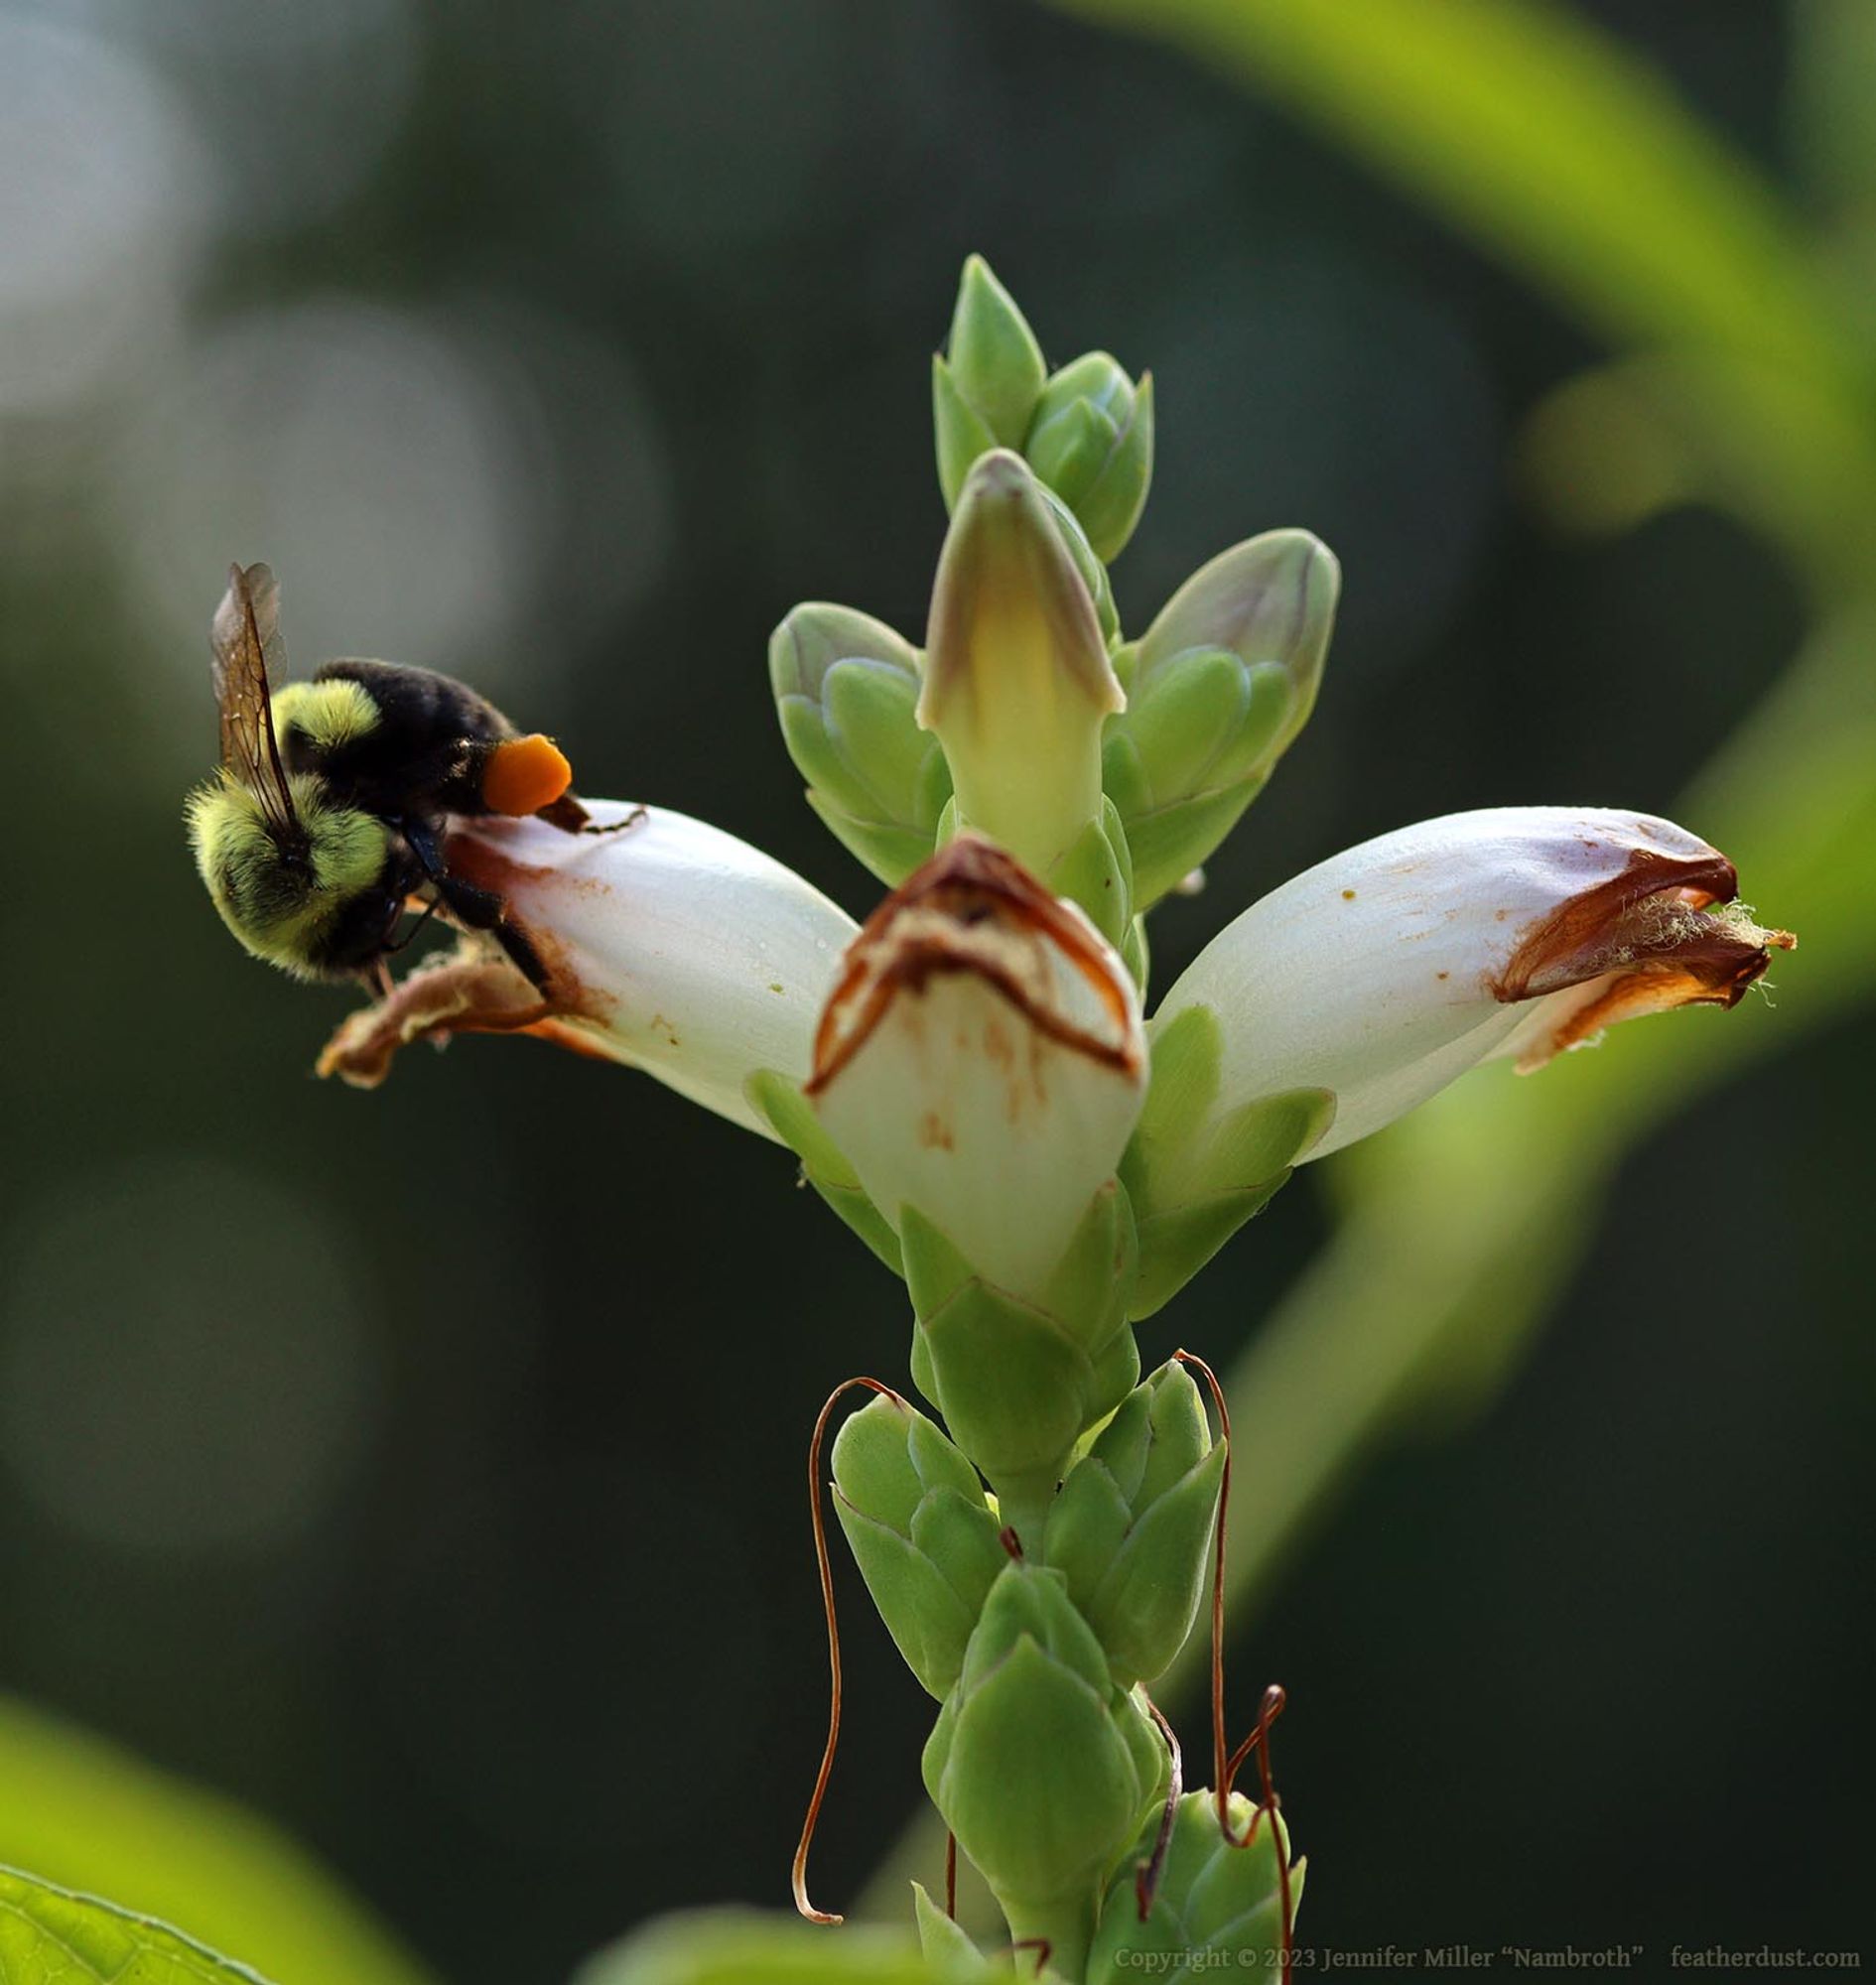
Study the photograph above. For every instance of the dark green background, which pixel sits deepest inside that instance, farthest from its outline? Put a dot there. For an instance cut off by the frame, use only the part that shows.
(475, 1552)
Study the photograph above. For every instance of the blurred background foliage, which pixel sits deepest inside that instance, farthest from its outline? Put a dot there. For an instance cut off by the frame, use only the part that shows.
(419, 1470)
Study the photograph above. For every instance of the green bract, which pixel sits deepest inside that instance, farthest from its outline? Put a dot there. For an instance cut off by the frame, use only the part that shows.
(846, 687)
(984, 395)
(921, 1533)
(781, 1105)
(1194, 1182)
(1133, 1525)
(1091, 440)
(1020, 1380)
(1218, 1908)
(948, 1947)
(1086, 429)
(1218, 688)
(1038, 1764)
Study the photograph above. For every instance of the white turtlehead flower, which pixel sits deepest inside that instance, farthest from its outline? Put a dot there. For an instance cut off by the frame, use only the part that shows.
(981, 1059)
(1386, 972)
(670, 946)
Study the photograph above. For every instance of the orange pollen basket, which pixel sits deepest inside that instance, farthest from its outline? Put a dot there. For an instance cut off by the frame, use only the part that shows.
(525, 775)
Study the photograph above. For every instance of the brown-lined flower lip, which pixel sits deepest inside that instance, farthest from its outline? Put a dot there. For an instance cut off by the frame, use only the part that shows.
(968, 883)
(1650, 919)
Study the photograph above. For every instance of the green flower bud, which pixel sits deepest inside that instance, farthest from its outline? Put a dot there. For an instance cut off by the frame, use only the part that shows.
(1030, 1765)
(1020, 1381)
(1218, 687)
(1017, 683)
(983, 397)
(846, 692)
(1091, 440)
(1218, 1908)
(1195, 1174)
(1134, 1521)
(921, 1532)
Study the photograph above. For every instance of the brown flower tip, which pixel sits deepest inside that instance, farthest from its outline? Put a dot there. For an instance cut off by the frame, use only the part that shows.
(973, 908)
(1664, 932)
(466, 992)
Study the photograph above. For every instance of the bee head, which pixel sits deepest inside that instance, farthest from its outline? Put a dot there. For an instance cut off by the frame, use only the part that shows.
(293, 901)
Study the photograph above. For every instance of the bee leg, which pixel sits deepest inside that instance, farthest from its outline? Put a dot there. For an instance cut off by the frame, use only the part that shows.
(474, 907)
(481, 909)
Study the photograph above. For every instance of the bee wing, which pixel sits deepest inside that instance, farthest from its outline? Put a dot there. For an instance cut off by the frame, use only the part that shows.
(243, 639)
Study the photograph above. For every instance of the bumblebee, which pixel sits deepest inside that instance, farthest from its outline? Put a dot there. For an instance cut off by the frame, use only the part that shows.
(327, 817)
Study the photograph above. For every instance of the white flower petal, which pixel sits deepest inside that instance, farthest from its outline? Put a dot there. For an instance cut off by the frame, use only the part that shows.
(670, 945)
(982, 1060)
(1389, 970)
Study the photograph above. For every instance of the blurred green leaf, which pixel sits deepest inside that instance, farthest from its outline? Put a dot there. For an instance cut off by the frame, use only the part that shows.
(1546, 139)
(1569, 157)
(50, 1936)
(86, 1815)
(745, 1947)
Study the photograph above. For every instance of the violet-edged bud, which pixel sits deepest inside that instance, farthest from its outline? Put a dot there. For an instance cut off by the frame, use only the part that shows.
(667, 945)
(921, 1532)
(1217, 690)
(846, 690)
(983, 391)
(1133, 1525)
(1383, 974)
(1218, 1908)
(1017, 683)
(1091, 440)
(1037, 1763)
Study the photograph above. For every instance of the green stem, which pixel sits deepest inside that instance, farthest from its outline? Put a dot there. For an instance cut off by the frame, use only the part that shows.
(1024, 1503)
(1065, 1927)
